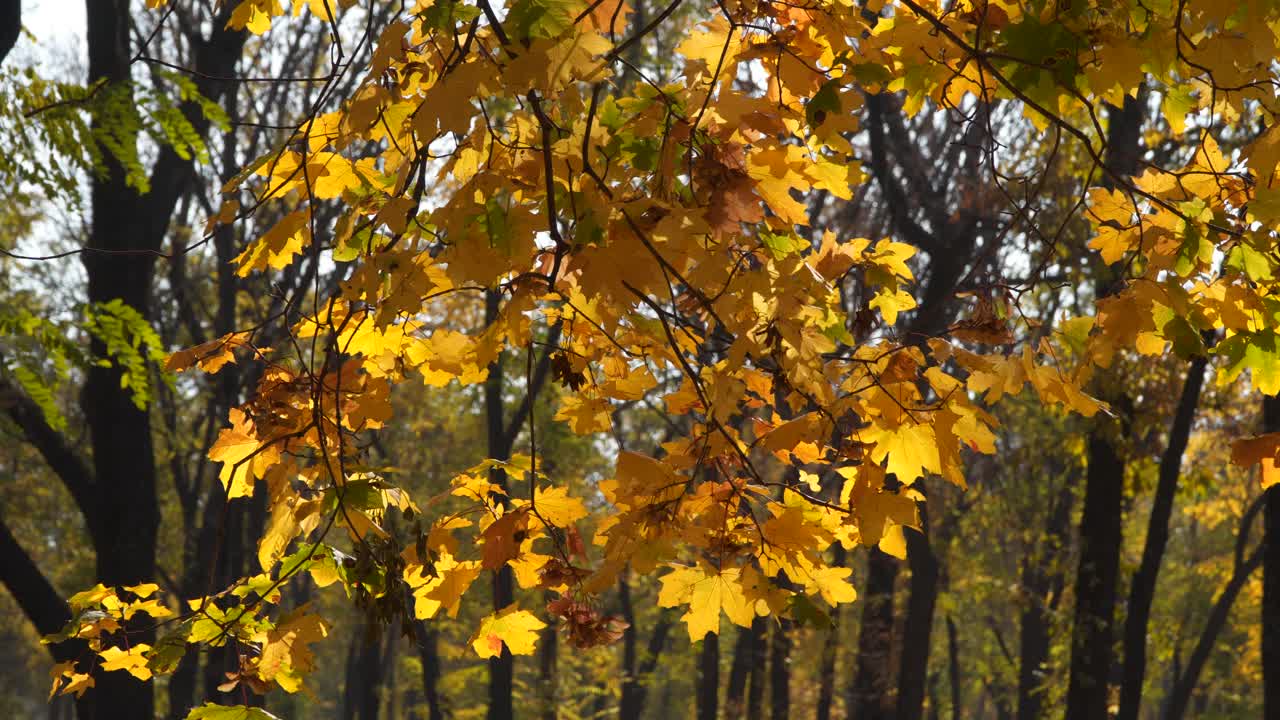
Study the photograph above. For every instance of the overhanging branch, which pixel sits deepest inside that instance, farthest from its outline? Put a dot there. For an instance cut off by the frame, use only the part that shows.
(61, 457)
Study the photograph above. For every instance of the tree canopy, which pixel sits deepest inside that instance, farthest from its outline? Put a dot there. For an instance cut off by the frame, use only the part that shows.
(797, 274)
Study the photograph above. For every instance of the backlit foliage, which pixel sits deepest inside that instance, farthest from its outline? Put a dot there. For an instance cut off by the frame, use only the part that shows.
(656, 227)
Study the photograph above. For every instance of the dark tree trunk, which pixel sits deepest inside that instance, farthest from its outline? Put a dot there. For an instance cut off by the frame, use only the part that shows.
(10, 26)
(127, 230)
(39, 600)
(117, 495)
(1180, 698)
(1100, 524)
(364, 674)
(736, 691)
(182, 686)
(756, 679)
(390, 651)
(780, 670)
(120, 433)
(547, 651)
(636, 691)
(708, 690)
(351, 681)
(1271, 580)
(951, 244)
(953, 663)
(1143, 588)
(1092, 636)
(917, 631)
(873, 680)
(370, 672)
(220, 556)
(830, 648)
(501, 668)
(1042, 588)
(428, 642)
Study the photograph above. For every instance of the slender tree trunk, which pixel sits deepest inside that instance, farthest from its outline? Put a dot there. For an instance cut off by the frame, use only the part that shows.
(1271, 580)
(130, 228)
(427, 640)
(953, 658)
(934, 703)
(1091, 641)
(636, 692)
(1143, 589)
(756, 679)
(736, 691)
(120, 432)
(501, 668)
(351, 680)
(10, 25)
(780, 670)
(873, 679)
(830, 648)
(370, 674)
(708, 691)
(363, 674)
(1043, 588)
(637, 671)
(222, 558)
(547, 650)
(1100, 524)
(1180, 698)
(917, 631)
(391, 651)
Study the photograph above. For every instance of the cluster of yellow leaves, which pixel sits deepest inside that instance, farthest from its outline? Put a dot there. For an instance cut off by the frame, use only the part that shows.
(99, 614)
(727, 238)
(658, 232)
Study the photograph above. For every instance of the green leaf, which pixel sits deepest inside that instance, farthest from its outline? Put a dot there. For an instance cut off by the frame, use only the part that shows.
(823, 103)
(1256, 352)
(169, 650)
(1246, 259)
(533, 19)
(805, 612)
(210, 711)
(783, 245)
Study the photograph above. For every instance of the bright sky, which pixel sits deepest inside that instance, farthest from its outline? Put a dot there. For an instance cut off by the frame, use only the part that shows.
(56, 24)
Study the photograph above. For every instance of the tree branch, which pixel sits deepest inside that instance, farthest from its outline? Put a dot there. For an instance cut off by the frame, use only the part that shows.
(39, 601)
(61, 457)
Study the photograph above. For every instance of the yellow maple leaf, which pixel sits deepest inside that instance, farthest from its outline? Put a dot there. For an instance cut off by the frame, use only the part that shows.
(832, 584)
(282, 528)
(894, 542)
(707, 592)
(255, 15)
(890, 302)
(554, 505)
(706, 46)
(286, 652)
(776, 175)
(445, 590)
(132, 660)
(66, 680)
(277, 246)
(514, 628)
(242, 456)
(1261, 450)
(876, 509)
(910, 448)
(585, 415)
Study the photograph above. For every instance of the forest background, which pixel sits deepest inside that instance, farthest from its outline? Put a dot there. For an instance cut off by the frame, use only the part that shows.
(577, 360)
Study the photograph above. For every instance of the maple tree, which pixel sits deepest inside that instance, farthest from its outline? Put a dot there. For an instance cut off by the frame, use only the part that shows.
(504, 186)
